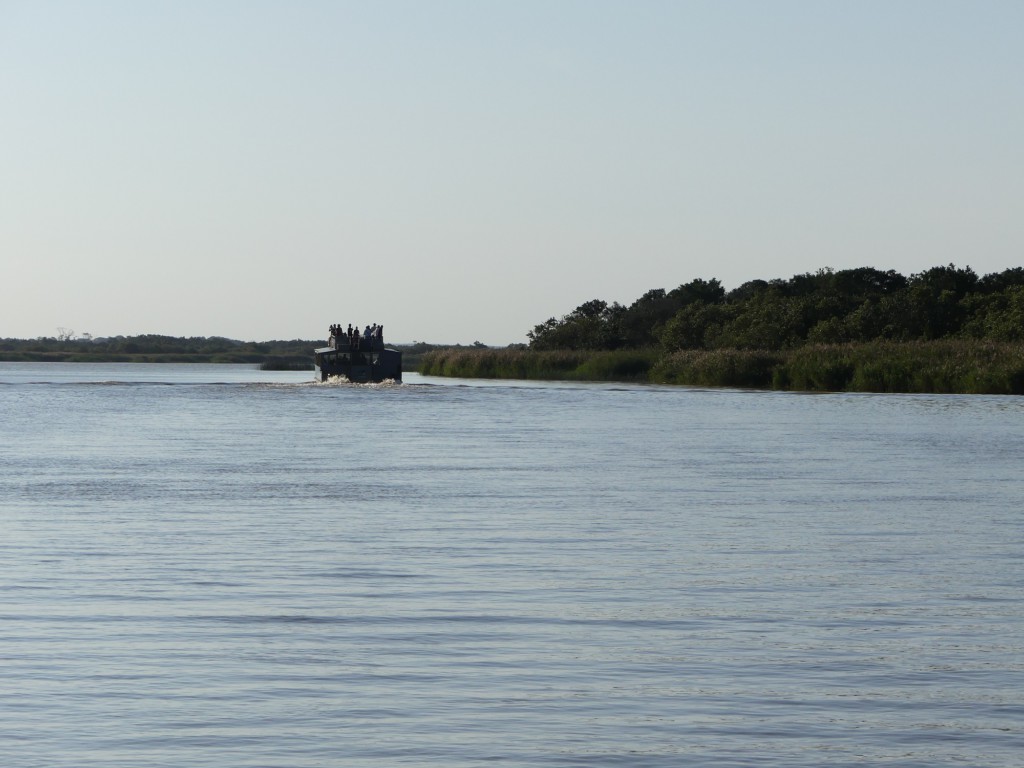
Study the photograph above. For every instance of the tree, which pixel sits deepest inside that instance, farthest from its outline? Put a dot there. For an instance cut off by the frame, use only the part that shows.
(997, 316)
(592, 325)
(695, 326)
(642, 323)
(771, 321)
(1000, 281)
(708, 291)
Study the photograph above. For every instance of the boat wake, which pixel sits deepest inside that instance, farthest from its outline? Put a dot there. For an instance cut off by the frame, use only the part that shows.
(343, 381)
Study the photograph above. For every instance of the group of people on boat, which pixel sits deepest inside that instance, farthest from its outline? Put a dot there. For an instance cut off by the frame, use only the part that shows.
(370, 334)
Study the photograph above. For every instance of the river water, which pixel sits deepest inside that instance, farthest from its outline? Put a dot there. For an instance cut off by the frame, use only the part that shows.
(218, 566)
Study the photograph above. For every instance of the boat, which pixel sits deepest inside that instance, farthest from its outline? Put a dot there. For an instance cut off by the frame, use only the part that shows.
(360, 360)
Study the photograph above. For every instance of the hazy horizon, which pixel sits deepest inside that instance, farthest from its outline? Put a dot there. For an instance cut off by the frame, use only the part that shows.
(461, 171)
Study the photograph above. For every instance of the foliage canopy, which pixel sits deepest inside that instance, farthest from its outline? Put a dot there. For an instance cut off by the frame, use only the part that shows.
(827, 307)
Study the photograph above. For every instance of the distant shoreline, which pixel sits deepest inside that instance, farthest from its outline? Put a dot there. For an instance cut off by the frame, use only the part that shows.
(296, 355)
(77, 357)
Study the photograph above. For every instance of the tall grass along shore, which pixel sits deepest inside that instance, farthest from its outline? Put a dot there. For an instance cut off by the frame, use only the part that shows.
(943, 366)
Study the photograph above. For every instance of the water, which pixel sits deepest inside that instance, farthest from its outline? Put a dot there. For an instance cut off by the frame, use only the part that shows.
(218, 566)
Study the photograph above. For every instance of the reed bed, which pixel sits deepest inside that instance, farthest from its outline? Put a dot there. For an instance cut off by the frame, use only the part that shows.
(719, 368)
(943, 366)
(947, 366)
(528, 364)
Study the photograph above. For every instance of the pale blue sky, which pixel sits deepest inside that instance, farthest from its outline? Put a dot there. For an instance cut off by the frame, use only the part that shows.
(461, 171)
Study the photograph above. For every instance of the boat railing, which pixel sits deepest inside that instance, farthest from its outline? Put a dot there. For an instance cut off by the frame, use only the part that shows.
(342, 344)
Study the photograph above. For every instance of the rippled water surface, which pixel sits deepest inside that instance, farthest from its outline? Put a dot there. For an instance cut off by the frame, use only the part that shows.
(217, 566)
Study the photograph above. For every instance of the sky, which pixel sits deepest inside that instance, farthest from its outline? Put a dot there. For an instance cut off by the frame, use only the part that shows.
(461, 171)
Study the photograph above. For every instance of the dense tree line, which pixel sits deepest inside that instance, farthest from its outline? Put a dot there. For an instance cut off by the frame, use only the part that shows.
(65, 346)
(827, 307)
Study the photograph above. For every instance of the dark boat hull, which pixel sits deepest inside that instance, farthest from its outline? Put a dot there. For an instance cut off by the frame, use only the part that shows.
(372, 364)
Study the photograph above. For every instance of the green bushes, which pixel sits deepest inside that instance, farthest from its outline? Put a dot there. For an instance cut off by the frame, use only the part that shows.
(526, 364)
(719, 368)
(827, 368)
(631, 365)
(936, 366)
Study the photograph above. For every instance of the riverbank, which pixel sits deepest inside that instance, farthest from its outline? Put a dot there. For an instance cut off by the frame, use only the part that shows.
(152, 357)
(947, 366)
(268, 362)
